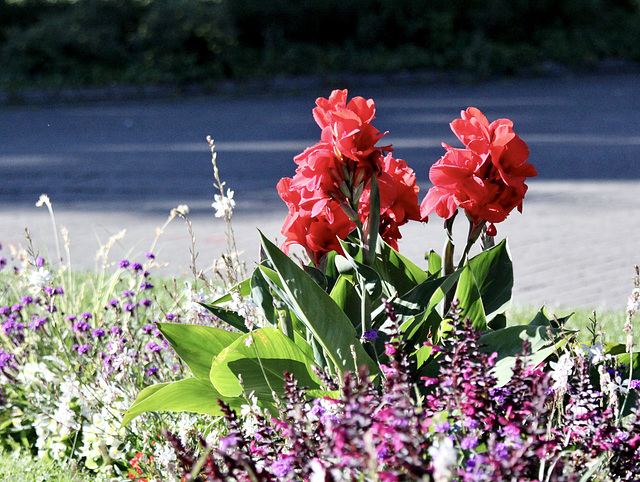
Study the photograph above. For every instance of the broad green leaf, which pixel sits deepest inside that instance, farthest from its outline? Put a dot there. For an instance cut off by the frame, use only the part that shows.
(197, 345)
(435, 263)
(493, 273)
(508, 342)
(468, 294)
(321, 315)
(398, 274)
(244, 288)
(230, 317)
(347, 298)
(261, 296)
(188, 395)
(261, 358)
(317, 275)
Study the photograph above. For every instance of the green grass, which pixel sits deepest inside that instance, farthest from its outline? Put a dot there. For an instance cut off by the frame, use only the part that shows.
(610, 322)
(17, 467)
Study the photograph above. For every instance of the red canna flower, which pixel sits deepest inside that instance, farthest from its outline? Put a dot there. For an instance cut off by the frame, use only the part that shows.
(487, 178)
(330, 190)
(398, 198)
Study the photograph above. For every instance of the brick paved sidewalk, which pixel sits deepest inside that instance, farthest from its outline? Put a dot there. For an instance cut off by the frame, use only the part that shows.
(575, 245)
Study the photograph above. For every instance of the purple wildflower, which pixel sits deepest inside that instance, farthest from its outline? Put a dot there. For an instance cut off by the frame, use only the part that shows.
(124, 263)
(86, 315)
(147, 329)
(129, 306)
(127, 294)
(146, 286)
(151, 371)
(5, 310)
(116, 330)
(153, 347)
(281, 467)
(15, 308)
(81, 326)
(112, 303)
(370, 335)
(83, 349)
(150, 255)
(136, 266)
(98, 333)
(40, 262)
(59, 290)
(26, 300)
(36, 324)
(145, 302)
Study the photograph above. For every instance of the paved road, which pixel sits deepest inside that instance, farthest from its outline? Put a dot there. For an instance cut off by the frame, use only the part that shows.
(126, 164)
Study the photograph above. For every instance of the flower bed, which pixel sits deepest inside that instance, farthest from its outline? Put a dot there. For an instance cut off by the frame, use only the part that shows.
(339, 360)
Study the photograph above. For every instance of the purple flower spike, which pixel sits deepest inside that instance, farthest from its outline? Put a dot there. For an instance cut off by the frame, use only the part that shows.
(98, 333)
(124, 263)
(136, 266)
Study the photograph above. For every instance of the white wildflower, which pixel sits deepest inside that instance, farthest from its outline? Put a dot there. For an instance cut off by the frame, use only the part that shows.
(224, 204)
(633, 304)
(562, 370)
(444, 457)
(39, 278)
(595, 353)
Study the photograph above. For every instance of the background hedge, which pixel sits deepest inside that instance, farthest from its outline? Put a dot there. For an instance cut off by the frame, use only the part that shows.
(103, 42)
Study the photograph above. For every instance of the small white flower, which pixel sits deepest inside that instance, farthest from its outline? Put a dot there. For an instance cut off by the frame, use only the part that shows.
(561, 371)
(444, 457)
(633, 304)
(40, 278)
(595, 353)
(224, 204)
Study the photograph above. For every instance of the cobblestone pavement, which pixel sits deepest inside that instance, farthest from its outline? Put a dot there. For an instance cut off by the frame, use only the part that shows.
(574, 245)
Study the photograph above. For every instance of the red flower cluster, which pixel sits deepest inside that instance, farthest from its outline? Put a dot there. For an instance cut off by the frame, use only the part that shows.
(487, 179)
(333, 180)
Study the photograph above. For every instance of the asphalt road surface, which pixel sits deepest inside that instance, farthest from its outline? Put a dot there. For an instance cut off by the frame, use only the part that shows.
(126, 164)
